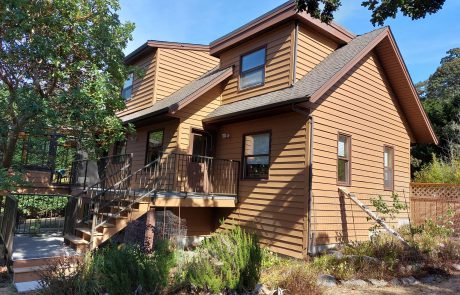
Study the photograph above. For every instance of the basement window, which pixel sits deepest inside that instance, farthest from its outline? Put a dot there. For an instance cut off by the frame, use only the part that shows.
(252, 69)
(343, 160)
(127, 91)
(388, 168)
(256, 156)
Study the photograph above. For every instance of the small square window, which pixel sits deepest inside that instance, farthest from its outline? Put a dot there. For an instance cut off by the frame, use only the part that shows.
(256, 156)
(252, 69)
(343, 160)
(126, 93)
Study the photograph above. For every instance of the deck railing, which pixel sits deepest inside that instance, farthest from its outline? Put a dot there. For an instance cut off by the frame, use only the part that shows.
(40, 214)
(85, 173)
(186, 174)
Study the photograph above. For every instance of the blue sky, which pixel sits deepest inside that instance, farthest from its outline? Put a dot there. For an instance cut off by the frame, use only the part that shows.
(422, 43)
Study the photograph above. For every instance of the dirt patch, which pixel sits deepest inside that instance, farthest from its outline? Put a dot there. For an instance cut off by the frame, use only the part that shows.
(449, 287)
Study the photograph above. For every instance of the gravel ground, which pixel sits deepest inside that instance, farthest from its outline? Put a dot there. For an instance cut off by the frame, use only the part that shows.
(448, 287)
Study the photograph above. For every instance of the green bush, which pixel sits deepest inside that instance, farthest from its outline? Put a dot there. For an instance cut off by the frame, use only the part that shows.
(115, 270)
(439, 171)
(228, 260)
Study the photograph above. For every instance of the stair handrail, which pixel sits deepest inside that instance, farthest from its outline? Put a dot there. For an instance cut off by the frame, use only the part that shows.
(127, 193)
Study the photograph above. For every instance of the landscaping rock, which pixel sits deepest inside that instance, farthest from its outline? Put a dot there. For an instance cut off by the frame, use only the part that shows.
(456, 266)
(355, 283)
(262, 290)
(378, 283)
(409, 281)
(395, 282)
(430, 279)
(326, 281)
(337, 254)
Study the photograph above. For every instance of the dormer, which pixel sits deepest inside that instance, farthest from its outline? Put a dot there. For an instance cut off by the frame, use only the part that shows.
(166, 67)
(274, 51)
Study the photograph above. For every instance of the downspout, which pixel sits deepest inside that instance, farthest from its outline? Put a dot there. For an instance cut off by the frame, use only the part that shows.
(296, 42)
(310, 249)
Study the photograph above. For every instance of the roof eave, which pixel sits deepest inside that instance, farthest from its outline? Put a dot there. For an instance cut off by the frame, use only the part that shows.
(280, 14)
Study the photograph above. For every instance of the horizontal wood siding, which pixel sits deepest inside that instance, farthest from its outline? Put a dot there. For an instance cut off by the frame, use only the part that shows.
(143, 87)
(274, 208)
(278, 69)
(137, 144)
(362, 105)
(312, 48)
(192, 115)
(179, 67)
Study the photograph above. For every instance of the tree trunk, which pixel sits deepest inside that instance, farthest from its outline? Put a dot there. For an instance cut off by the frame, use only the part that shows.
(10, 147)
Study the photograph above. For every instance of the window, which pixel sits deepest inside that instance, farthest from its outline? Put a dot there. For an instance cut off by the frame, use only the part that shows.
(128, 87)
(252, 69)
(388, 170)
(256, 156)
(119, 149)
(343, 160)
(154, 145)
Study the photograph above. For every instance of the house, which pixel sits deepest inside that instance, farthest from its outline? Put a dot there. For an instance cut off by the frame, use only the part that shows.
(259, 128)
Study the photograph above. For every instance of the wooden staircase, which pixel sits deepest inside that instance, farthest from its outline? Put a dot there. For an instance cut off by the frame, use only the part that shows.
(106, 208)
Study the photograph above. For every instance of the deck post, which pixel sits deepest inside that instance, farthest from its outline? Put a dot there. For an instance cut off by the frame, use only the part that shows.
(149, 234)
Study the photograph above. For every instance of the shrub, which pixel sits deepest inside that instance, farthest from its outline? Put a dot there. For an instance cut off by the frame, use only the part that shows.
(295, 276)
(439, 171)
(113, 270)
(227, 260)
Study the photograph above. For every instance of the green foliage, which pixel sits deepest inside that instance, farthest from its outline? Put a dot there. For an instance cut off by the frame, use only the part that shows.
(227, 260)
(113, 270)
(62, 67)
(440, 96)
(381, 10)
(439, 171)
(35, 206)
(384, 210)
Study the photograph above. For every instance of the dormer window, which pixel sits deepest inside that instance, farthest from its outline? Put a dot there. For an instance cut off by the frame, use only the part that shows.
(252, 69)
(128, 87)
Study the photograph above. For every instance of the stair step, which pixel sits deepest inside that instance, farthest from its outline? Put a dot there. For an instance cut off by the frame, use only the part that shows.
(121, 208)
(87, 231)
(113, 215)
(108, 225)
(29, 269)
(76, 240)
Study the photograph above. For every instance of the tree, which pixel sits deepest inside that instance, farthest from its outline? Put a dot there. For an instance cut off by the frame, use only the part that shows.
(61, 68)
(440, 96)
(381, 9)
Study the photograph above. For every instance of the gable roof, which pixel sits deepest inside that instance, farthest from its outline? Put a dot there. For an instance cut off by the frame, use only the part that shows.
(152, 45)
(183, 96)
(284, 12)
(328, 72)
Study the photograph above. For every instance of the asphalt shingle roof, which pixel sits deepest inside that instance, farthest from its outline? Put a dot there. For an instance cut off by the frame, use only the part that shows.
(171, 102)
(306, 86)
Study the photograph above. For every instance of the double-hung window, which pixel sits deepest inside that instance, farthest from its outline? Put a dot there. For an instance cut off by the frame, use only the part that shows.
(252, 69)
(127, 91)
(388, 168)
(154, 145)
(344, 160)
(256, 156)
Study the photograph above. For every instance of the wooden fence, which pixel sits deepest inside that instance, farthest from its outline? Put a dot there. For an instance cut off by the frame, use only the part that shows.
(432, 200)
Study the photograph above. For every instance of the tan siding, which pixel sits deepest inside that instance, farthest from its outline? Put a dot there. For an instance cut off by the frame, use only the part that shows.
(179, 67)
(312, 48)
(278, 69)
(193, 114)
(137, 143)
(274, 208)
(143, 87)
(363, 106)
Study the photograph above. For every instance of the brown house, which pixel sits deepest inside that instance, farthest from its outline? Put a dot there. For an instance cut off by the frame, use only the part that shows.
(262, 127)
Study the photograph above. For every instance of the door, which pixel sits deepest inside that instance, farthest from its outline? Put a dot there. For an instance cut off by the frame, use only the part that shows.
(198, 172)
